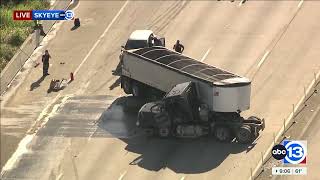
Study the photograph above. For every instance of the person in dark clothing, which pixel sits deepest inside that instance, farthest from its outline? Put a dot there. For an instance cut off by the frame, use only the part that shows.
(178, 47)
(39, 26)
(45, 62)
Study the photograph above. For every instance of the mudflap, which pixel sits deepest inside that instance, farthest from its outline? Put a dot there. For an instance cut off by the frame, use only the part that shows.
(260, 125)
(263, 124)
(256, 124)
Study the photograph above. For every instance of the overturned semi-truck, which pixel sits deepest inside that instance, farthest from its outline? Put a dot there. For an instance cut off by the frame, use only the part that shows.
(199, 99)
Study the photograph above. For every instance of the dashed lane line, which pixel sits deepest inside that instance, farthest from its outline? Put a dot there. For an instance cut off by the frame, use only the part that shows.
(205, 55)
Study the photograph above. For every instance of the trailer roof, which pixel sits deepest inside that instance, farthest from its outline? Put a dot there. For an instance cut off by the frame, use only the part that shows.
(185, 64)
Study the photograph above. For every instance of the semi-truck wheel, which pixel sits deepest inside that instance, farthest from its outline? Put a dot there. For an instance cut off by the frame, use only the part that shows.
(164, 132)
(126, 85)
(223, 134)
(149, 132)
(244, 134)
(136, 89)
(254, 118)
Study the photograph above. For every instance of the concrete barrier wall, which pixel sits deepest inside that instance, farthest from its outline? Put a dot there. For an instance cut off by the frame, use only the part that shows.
(27, 48)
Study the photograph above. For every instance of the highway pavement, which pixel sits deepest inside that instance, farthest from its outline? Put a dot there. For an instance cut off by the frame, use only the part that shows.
(305, 128)
(311, 135)
(275, 43)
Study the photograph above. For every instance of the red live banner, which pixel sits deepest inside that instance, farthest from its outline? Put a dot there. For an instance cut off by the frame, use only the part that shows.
(22, 15)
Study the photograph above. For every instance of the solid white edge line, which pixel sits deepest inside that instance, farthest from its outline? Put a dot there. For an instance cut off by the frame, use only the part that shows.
(102, 35)
(21, 149)
(300, 3)
(23, 144)
(263, 58)
(205, 55)
(241, 2)
(45, 110)
(288, 120)
(122, 175)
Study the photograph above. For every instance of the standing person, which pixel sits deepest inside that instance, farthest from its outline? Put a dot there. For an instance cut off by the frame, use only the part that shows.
(45, 62)
(38, 25)
(178, 47)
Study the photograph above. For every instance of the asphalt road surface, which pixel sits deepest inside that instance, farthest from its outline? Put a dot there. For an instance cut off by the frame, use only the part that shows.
(275, 43)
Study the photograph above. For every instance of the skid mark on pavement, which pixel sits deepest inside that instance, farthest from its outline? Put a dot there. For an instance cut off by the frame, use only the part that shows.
(162, 21)
(45, 113)
(102, 35)
(73, 117)
(23, 147)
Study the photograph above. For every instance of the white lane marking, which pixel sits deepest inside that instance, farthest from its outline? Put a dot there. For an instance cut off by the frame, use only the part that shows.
(300, 3)
(205, 55)
(288, 120)
(78, 5)
(60, 176)
(241, 2)
(23, 145)
(183, 178)
(44, 112)
(122, 175)
(263, 58)
(22, 149)
(102, 35)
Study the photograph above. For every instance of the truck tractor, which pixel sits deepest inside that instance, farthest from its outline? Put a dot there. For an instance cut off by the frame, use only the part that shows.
(180, 114)
(192, 98)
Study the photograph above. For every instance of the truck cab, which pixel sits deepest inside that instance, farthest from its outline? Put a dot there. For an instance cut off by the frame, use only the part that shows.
(180, 106)
(139, 39)
(143, 38)
(180, 113)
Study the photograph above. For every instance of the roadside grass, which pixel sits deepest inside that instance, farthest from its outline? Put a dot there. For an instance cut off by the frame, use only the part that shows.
(13, 33)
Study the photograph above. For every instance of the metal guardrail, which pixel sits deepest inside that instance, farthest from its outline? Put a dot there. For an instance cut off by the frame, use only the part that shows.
(26, 49)
(280, 135)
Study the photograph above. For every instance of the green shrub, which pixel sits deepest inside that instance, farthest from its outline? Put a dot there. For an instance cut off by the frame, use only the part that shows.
(17, 37)
(13, 33)
(7, 52)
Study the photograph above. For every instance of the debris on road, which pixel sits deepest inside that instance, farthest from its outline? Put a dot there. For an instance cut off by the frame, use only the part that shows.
(57, 85)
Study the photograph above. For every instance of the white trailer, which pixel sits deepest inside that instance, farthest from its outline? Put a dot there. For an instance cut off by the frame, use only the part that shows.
(162, 68)
(223, 94)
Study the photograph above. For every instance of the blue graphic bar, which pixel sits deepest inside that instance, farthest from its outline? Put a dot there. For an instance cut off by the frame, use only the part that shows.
(51, 15)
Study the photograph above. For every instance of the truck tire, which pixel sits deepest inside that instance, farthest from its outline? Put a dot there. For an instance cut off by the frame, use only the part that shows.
(164, 132)
(126, 85)
(254, 118)
(223, 134)
(149, 132)
(244, 134)
(135, 89)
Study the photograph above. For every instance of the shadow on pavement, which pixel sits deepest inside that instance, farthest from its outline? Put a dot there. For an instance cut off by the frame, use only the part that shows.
(115, 84)
(117, 120)
(74, 28)
(37, 83)
(187, 156)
